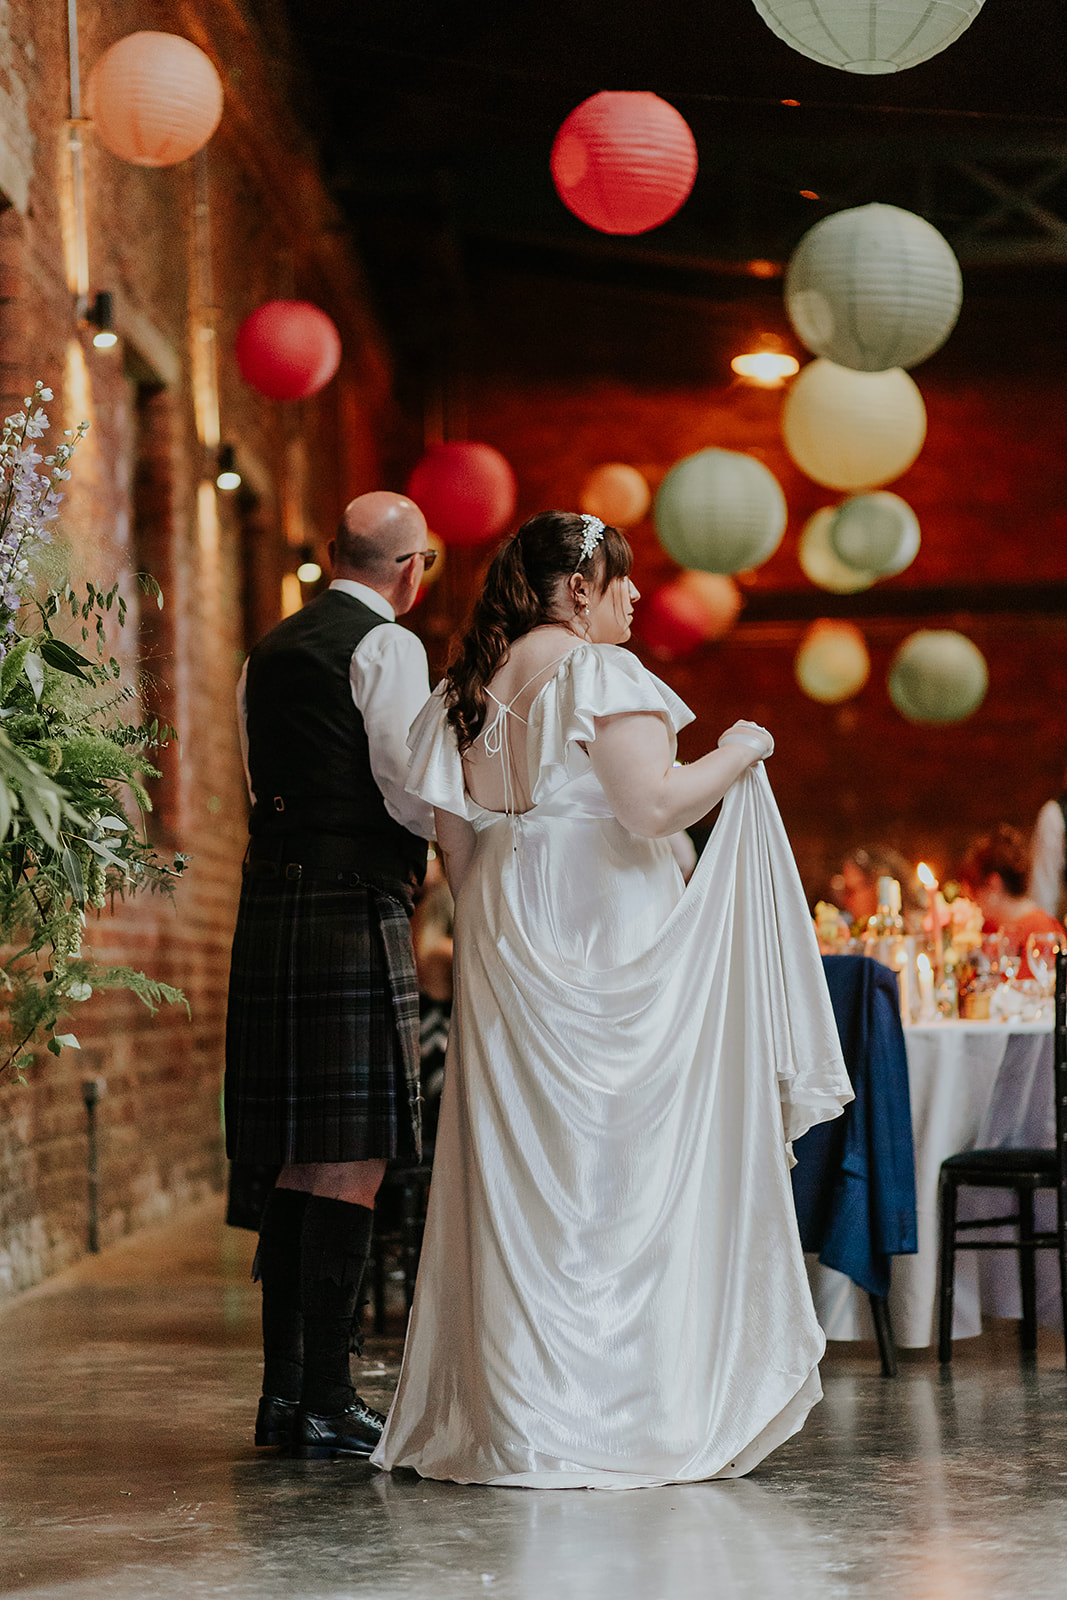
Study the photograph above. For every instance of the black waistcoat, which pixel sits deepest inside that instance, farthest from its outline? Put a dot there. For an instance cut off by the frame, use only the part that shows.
(308, 754)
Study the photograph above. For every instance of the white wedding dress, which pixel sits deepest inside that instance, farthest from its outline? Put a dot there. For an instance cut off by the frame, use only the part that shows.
(612, 1292)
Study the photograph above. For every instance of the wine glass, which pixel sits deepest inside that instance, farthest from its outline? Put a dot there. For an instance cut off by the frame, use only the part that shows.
(1041, 949)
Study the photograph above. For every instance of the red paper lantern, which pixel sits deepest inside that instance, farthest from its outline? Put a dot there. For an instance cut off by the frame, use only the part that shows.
(155, 98)
(624, 161)
(288, 349)
(466, 491)
(693, 609)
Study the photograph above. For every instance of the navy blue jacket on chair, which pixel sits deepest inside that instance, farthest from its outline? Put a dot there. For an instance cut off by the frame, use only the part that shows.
(854, 1182)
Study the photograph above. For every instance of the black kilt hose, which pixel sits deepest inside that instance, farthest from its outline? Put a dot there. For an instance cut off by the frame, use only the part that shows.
(322, 1033)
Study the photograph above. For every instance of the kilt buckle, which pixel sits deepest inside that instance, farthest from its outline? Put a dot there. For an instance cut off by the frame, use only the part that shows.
(279, 803)
(293, 870)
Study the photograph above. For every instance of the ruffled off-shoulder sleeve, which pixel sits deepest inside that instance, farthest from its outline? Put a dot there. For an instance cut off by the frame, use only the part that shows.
(435, 771)
(594, 680)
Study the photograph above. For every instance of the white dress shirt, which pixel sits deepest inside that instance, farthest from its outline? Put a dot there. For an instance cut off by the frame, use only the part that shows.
(390, 682)
(1049, 848)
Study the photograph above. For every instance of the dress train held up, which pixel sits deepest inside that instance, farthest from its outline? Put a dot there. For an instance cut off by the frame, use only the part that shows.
(612, 1292)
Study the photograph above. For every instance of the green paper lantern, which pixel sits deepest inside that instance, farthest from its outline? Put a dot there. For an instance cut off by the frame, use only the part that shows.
(720, 511)
(875, 533)
(868, 36)
(937, 676)
(819, 562)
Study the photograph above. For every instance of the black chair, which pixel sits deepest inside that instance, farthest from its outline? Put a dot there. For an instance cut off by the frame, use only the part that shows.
(1023, 1172)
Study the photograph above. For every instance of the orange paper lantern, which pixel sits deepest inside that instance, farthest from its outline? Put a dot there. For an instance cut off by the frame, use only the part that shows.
(617, 494)
(155, 98)
(288, 349)
(624, 161)
(465, 490)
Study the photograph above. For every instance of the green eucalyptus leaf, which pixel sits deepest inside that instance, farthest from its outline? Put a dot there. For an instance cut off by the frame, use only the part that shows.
(73, 869)
(67, 1041)
(65, 659)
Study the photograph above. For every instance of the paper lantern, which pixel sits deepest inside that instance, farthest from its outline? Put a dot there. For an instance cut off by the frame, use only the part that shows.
(465, 490)
(624, 161)
(617, 494)
(875, 533)
(694, 609)
(853, 430)
(832, 663)
(873, 288)
(155, 98)
(937, 676)
(288, 349)
(869, 36)
(819, 562)
(720, 511)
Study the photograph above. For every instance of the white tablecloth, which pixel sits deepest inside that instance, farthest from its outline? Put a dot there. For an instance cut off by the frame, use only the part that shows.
(973, 1085)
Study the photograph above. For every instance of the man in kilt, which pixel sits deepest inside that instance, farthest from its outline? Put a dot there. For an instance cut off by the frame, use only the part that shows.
(322, 1036)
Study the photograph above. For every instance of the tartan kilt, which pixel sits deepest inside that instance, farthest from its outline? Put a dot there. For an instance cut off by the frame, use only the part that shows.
(322, 1026)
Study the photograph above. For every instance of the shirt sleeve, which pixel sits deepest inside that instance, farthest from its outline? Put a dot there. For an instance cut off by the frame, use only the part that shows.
(390, 685)
(1046, 873)
(242, 726)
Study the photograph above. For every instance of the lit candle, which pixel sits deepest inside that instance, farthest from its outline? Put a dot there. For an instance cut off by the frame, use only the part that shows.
(926, 987)
(930, 884)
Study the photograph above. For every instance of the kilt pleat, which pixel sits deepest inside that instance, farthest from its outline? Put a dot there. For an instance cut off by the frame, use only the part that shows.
(322, 1024)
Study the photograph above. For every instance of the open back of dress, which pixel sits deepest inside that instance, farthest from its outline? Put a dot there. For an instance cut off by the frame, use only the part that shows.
(612, 1292)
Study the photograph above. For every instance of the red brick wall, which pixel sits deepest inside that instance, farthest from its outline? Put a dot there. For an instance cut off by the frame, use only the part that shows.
(561, 378)
(136, 496)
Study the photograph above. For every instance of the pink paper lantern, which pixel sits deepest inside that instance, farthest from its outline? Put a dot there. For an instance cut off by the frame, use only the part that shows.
(465, 490)
(624, 161)
(288, 349)
(155, 98)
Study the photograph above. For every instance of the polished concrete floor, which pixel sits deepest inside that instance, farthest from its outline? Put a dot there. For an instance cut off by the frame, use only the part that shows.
(127, 1471)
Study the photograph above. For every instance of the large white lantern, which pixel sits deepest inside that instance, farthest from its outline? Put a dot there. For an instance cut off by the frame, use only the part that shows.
(819, 562)
(937, 676)
(853, 430)
(868, 35)
(832, 663)
(872, 288)
(720, 511)
(876, 533)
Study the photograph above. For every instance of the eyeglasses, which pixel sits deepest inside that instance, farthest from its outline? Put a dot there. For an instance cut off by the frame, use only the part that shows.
(428, 558)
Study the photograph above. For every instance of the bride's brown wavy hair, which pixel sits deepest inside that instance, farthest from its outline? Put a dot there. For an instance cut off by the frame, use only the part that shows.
(520, 587)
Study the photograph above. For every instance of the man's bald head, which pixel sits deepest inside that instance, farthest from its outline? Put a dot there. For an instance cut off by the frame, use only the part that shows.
(375, 529)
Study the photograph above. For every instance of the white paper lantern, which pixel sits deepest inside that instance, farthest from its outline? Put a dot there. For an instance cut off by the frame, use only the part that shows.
(868, 36)
(937, 676)
(853, 430)
(872, 288)
(819, 563)
(832, 663)
(720, 511)
(876, 533)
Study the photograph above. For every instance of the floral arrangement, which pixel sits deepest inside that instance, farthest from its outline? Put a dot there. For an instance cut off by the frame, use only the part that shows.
(70, 766)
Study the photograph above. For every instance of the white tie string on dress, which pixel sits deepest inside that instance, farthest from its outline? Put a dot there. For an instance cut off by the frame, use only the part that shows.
(495, 733)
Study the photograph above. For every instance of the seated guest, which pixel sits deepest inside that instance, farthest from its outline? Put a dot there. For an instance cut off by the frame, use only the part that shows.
(855, 887)
(994, 875)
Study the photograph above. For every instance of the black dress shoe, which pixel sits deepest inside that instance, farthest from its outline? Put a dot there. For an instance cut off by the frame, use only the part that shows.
(274, 1421)
(354, 1432)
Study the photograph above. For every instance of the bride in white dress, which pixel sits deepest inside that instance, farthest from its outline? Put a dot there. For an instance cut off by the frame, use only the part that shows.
(611, 1292)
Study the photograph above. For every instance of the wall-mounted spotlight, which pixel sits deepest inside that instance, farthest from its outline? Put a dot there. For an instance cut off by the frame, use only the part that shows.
(101, 316)
(309, 570)
(228, 476)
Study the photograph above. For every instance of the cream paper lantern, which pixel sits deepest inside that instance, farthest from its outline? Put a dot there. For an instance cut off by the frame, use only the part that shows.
(876, 533)
(853, 430)
(617, 494)
(720, 511)
(937, 676)
(832, 663)
(819, 562)
(869, 36)
(873, 288)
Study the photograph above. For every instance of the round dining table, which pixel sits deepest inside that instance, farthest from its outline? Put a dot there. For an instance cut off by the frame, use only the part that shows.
(974, 1085)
